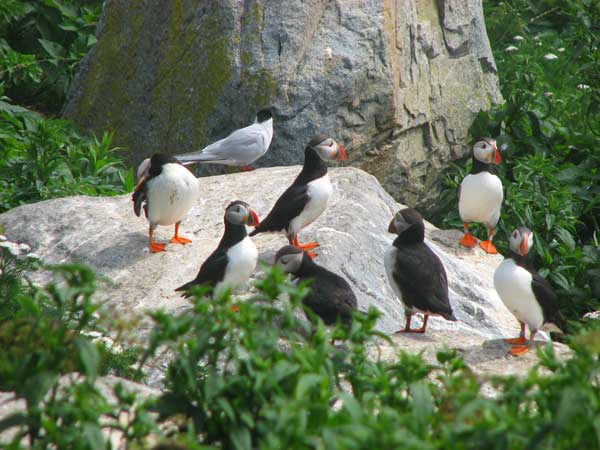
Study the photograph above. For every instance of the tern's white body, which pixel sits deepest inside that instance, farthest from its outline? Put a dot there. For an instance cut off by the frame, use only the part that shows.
(241, 262)
(171, 194)
(240, 148)
(319, 191)
(513, 284)
(480, 199)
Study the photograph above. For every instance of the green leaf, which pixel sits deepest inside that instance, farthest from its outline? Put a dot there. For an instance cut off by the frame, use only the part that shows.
(52, 48)
(92, 434)
(306, 382)
(88, 356)
(240, 438)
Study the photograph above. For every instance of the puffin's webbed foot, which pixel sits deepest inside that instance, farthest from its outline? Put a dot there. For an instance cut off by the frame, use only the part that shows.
(488, 247)
(516, 341)
(519, 350)
(247, 169)
(156, 247)
(180, 240)
(468, 240)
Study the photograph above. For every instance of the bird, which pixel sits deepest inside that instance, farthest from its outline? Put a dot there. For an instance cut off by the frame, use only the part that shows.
(330, 296)
(480, 194)
(526, 294)
(167, 191)
(233, 261)
(306, 199)
(416, 274)
(241, 148)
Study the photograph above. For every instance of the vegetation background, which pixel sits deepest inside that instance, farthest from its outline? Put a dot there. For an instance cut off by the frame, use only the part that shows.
(230, 384)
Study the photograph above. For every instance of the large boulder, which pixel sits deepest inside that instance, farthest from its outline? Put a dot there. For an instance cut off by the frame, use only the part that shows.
(396, 81)
(103, 233)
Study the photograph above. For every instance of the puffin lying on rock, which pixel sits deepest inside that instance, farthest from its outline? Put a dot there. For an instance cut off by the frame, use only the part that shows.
(234, 259)
(306, 199)
(525, 292)
(167, 191)
(330, 296)
(480, 194)
(240, 148)
(416, 273)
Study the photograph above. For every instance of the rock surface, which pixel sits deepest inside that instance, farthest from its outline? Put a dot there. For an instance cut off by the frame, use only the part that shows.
(395, 81)
(104, 233)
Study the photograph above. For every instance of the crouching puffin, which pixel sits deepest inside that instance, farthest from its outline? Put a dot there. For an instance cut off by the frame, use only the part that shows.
(306, 199)
(234, 259)
(480, 194)
(525, 292)
(168, 190)
(240, 148)
(416, 273)
(330, 296)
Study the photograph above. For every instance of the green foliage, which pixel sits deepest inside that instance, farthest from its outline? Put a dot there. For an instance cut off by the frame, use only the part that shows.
(41, 44)
(548, 132)
(46, 158)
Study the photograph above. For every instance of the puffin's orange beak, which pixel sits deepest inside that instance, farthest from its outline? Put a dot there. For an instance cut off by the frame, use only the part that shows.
(392, 227)
(139, 183)
(524, 246)
(341, 153)
(255, 220)
(497, 158)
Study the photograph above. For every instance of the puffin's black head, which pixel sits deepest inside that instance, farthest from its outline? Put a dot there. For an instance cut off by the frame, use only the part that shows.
(289, 259)
(521, 240)
(327, 148)
(486, 151)
(239, 213)
(263, 115)
(405, 220)
(153, 166)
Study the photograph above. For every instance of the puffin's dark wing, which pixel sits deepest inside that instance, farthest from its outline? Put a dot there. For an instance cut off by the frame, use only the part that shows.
(139, 196)
(287, 207)
(458, 191)
(211, 272)
(547, 298)
(422, 280)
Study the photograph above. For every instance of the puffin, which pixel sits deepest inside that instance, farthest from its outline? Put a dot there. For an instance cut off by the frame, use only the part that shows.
(241, 148)
(306, 199)
(526, 294)
(330, 296)
(233, 261)
(167, 191)
(415, 272)
(480, 194)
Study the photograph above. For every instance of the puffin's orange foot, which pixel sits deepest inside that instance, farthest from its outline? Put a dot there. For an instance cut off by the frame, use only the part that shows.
(155, 247)
(516, 341)
(180, 240)
(468, 240)
(308, 246)
(247, 169)
(488, 247)
(235, 308)
(519, 350)
(311, 255)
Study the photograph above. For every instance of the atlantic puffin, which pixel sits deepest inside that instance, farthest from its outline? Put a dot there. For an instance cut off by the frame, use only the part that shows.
(330, 296)
(306, 199)
(525, 292)
(416, 273)
(241, 148)
(167, 190)
(480, 194)
(233, 261)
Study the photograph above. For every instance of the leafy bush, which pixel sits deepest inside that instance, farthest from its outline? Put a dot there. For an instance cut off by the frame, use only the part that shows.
(46, 158)
(265, 378)
(41, 44)
(548, 62)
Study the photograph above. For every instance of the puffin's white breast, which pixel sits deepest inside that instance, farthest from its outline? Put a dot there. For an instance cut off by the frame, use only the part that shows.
(319, 191)
(481, 198)
(242, 258)
(171, 194)
(513, 284)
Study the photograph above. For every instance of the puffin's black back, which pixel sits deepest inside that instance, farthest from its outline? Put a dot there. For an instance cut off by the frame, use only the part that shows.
(292, 202)
(419, 273)
(264, 115)
(330, 295)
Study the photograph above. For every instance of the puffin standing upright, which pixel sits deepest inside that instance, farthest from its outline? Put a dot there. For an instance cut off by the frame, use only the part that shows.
(416, 273)
(240, 148)
(169, 190)
(525, 292)
(306, 199)
(480, 194)
(330, 296)
(233, 261)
